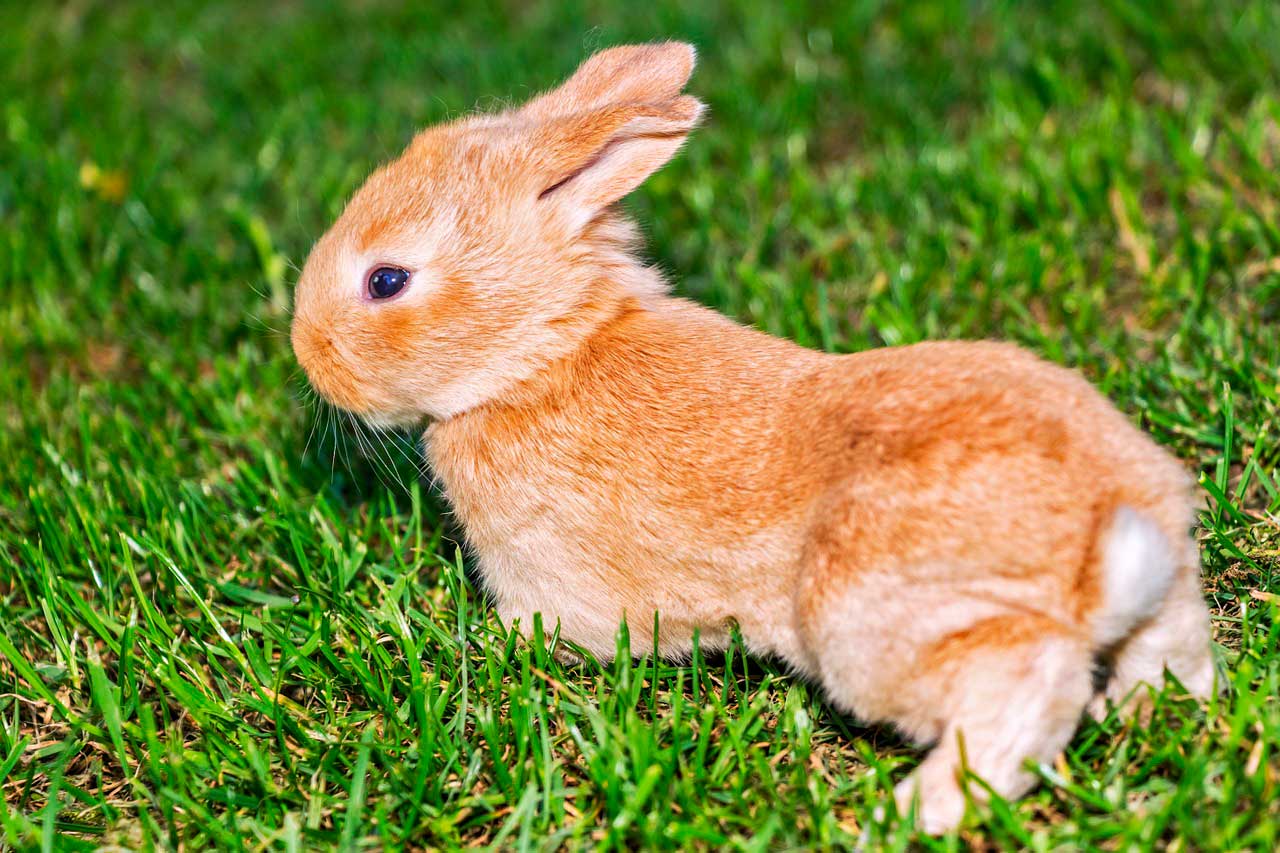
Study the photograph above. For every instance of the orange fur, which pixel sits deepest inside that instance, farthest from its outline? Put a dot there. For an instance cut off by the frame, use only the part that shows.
(935, 533)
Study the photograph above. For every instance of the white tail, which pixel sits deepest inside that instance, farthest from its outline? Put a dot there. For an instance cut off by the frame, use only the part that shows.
(1138, 567)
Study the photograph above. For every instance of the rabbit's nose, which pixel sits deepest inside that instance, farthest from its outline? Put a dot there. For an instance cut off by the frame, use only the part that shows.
(313, 348)
(302, 339)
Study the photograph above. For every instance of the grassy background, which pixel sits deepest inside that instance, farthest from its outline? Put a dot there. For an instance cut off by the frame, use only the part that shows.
(215, 631)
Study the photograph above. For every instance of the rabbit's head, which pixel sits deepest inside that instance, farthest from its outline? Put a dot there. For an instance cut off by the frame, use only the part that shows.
(485, 250)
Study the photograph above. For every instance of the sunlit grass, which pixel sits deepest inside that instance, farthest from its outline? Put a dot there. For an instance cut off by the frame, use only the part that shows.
(227, 618)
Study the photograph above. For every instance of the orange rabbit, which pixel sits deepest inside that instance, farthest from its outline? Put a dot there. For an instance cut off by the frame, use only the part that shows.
(947, 537)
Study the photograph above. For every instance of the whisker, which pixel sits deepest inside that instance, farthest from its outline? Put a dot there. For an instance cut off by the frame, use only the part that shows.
(369, 452)
(389, 439)
(261, 294)
(332, 418)
(385, 447)
(309, 402)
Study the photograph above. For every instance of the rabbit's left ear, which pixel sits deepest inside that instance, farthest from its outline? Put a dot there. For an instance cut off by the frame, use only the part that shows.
(587, 161)
(634, 73)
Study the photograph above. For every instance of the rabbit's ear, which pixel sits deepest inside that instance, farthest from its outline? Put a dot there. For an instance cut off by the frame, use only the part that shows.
(637, 73)
(590, 160)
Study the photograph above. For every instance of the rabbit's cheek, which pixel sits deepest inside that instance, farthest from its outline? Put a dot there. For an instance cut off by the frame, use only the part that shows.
(409, 329)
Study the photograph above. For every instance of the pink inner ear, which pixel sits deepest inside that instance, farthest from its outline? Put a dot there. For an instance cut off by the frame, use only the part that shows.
(612, 173)
(596, 158)
(604, 154)
(557, 185)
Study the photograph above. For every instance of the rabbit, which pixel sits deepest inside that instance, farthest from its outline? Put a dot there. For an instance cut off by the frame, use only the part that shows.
(947, 537)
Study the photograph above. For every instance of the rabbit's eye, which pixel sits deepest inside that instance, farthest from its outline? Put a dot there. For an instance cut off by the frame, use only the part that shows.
(387, 281)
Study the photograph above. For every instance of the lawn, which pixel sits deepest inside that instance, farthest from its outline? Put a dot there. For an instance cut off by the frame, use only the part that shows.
(229, 618)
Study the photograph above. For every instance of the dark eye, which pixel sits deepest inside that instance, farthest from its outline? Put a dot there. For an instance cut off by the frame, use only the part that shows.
(387, 281)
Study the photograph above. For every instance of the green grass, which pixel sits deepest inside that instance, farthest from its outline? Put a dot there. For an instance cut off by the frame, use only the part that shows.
(215, 631)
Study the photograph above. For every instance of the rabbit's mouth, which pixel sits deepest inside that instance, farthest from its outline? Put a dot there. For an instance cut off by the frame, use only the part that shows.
(326, 369)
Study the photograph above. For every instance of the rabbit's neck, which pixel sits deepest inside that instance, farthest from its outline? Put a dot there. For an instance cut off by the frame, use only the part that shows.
(526, 354)
(630, 337)
(578, 337)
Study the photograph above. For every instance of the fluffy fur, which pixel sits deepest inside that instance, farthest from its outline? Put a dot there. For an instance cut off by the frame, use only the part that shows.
(946, 536)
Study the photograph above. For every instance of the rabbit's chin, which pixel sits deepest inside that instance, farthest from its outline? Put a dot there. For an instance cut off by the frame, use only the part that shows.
(394, 420)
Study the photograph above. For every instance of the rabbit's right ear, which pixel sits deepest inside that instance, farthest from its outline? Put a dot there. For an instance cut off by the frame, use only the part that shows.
(636, 73)
(586, 161)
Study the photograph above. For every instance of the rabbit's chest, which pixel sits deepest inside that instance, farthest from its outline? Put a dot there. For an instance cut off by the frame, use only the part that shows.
(584, 569)
(574, 584)
(587, 548)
